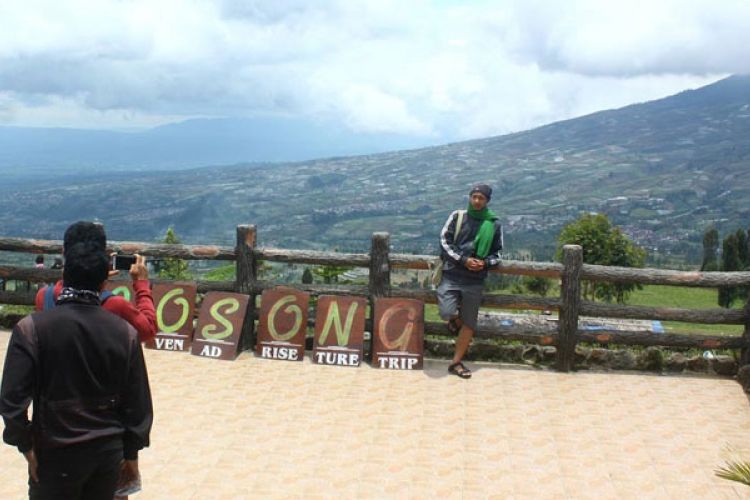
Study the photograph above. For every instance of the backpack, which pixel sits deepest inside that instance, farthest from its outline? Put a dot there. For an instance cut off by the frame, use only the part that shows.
(49, 297)
(437, 267)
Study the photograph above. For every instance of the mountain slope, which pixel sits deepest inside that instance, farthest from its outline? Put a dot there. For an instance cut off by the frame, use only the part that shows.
(664, 170)
(192, 143)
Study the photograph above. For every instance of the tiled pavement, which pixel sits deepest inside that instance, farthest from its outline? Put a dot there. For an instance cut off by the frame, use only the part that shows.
(255, 428)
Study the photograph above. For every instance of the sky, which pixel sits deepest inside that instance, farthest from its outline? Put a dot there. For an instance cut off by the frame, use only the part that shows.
(447, 70)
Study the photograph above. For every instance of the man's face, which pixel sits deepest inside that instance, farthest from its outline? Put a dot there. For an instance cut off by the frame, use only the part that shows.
(478, 201)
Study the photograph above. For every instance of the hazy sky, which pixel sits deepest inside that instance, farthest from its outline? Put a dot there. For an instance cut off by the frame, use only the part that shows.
(443, 69)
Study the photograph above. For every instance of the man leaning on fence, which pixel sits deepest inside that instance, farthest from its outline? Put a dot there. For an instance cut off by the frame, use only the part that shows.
(83, 369)
(470, 243)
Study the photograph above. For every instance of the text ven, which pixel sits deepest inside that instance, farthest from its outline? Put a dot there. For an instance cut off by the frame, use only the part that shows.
(170, 344)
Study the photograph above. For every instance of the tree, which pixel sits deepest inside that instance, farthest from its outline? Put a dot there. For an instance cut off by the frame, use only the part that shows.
(743, 250)
(172, 267)
(730, 261)
(537, 285)
(307, 277)
(710, 249)
(330, 274)
(603, 244)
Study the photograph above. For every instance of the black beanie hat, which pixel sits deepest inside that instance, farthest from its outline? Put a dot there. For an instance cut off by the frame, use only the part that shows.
(482, 188)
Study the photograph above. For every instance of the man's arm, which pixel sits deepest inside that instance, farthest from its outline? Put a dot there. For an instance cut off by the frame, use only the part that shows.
(448, 237)
(17, 388)
(493, 258)
(137, 409)
(142, 315)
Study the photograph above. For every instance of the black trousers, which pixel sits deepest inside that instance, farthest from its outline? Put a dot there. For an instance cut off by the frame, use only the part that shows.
(87, 476)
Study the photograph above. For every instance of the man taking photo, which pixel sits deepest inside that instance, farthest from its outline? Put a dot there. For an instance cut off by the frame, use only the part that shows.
(83, 369)
(142, 315)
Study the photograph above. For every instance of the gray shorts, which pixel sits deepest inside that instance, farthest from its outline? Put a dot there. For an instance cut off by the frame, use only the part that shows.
(455, 299)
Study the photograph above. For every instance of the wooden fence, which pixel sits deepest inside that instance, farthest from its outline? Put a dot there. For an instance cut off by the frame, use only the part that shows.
(564, 335)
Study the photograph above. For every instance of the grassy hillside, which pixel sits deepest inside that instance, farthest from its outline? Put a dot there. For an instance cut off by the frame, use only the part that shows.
(663, 171)
(685, 297)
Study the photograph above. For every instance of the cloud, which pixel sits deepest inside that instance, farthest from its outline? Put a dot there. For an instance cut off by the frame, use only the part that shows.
(635, 37)
(369, 109)
(449, 70)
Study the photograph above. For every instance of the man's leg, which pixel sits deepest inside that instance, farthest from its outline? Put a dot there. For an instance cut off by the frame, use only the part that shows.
(103, 480)
(462, 343)
(59, 477)
(448, 297)
(471, 298)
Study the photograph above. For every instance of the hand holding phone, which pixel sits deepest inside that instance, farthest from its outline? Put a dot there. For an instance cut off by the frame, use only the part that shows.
(122, 262)
(139, 271)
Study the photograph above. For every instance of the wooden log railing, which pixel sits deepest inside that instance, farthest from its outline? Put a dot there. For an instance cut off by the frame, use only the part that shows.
(565, 334)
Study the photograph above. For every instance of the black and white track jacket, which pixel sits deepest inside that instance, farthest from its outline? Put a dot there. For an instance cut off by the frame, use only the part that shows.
(455, 249)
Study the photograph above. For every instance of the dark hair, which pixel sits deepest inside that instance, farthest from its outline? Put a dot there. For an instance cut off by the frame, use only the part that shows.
(86, 266)
(83, 231)
(39, 259)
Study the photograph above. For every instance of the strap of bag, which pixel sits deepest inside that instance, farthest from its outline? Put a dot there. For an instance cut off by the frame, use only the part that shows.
(436, 266)
(49, 297)
(104, 295)
(459, 223)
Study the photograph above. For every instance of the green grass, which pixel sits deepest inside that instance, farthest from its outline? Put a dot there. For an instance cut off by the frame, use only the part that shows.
(431, 313)
(661, 296)
(13, 309)
(675, 296)
(687, 298)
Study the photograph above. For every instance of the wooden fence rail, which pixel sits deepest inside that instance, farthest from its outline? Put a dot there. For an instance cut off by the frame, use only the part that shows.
(565, 333)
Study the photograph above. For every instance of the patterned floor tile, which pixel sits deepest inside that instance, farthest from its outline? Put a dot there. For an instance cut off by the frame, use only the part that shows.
(256, 428)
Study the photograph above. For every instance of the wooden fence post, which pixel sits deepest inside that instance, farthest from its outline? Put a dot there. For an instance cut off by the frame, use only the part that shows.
(570, 302)
(745, 352)
(743, 374)
(380, 275)
(247, 275)
(380, 268)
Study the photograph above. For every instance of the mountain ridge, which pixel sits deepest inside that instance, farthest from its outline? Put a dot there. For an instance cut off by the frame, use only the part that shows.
(663, 170)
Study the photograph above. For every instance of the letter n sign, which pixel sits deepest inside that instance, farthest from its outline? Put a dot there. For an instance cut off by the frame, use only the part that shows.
(339, 330)
(219, 325)
(398, 337)
(175, 306)
(283, 324)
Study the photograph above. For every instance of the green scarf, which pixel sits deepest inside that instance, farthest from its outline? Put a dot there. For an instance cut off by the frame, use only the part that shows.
(486, 233)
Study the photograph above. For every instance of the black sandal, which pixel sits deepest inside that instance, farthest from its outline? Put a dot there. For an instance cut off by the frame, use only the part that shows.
(453, 326)
(463, 372)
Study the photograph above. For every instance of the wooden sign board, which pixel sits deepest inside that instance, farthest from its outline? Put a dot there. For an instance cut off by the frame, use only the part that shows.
(175, 308)
(398, 337)
(122, 288)
(283, 324)
(219, 325)
(339, 330)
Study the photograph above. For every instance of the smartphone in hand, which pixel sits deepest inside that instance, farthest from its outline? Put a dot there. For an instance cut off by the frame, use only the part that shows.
(122, 262)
